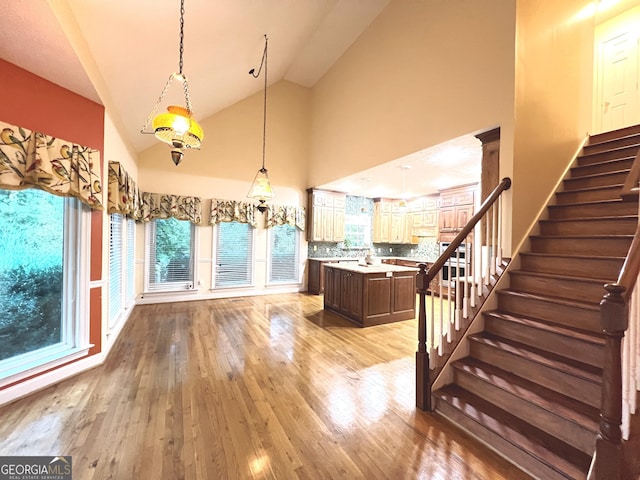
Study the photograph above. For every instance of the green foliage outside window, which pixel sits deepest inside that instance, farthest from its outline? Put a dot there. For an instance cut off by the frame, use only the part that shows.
(31, 270)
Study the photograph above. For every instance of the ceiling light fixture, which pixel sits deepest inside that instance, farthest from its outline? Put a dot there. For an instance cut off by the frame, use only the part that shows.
(176, 127)
(261, 187)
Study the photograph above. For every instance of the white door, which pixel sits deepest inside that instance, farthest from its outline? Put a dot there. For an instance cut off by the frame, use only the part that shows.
(617, 60)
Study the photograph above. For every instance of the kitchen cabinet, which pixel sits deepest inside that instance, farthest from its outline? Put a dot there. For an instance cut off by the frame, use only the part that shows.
(390, 222)
(326, 216)
(424, 217)
(369, 295)
(316, 274)
(456, 209)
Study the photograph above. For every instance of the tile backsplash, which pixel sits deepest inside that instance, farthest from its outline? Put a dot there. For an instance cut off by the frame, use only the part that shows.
(427, 249)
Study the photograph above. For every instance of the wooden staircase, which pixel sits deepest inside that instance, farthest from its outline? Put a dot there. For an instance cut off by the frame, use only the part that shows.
(530, 387)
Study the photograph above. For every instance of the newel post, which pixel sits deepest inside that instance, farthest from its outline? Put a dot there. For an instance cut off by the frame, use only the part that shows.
(423, 389)
(614, 315)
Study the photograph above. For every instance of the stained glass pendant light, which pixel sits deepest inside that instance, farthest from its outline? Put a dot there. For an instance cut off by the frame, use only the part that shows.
(176, 126)
(261, 187)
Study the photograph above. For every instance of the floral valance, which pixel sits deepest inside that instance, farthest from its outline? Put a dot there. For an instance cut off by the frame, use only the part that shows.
(33, 159)
(286, 215)
(159, 205)
(123, 196)
(232, 211)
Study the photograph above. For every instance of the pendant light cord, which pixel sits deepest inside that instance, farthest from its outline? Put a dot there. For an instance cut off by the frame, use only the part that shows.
(181, 36)
(264, 119)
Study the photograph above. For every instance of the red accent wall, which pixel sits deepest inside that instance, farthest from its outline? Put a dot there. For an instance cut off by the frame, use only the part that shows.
(32, 102)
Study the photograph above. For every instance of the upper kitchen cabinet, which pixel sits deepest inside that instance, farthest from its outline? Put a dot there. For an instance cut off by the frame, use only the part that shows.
(456, 209)
(390, 222)
(423, 215)
(326, 216)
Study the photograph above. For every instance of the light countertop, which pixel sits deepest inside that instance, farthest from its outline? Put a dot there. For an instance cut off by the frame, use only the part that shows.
(382, 268)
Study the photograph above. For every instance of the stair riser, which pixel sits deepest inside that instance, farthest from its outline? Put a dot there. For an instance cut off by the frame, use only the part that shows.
(570, 347)
(569, 432)
(605, 209)
(498, 444)
(608, 155)
(588, 246)
(570, 289)
(564, 383)
(605, 167)
(568, 315)
(628, 141)
(574, 266)
(609, 226)
(582, 196)
(604, 180)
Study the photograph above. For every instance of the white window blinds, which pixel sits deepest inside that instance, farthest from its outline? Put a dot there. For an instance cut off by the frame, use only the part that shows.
(283, 254)
(171, 247)
(233, 255)
(116, 245)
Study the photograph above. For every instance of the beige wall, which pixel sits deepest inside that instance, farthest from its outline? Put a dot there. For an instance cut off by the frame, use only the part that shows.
(552, 100)
(232, 149)
(424, 72)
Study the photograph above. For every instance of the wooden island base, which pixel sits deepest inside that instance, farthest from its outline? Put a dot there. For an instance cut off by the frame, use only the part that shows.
(370, 295)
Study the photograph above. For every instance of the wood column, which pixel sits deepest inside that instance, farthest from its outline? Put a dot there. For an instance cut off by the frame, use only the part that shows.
(423, 387)
(614, 315)
(490, 174)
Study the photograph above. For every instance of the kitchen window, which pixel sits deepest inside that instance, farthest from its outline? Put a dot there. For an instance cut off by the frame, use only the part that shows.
(357, 231)
(171, 247)
(233, 265)
(284, 254)
(44, 277)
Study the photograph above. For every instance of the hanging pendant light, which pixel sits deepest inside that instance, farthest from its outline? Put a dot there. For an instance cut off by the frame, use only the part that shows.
(261, 187)
(403, 200)
(176, 126)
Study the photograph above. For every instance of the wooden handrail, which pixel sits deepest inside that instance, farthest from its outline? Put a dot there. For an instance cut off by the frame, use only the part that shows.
(614, 318)
(424, 278)
(630, 187)
(631, 267)
(505, 184)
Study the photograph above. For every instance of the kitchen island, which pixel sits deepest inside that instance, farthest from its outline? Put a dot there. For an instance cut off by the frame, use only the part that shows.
(370, 295)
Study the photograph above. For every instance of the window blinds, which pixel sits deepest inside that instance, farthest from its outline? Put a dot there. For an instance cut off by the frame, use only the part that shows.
(283, 254)
(233, 255)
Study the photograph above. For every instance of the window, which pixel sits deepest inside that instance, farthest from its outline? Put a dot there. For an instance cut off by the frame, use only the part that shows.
(283, 254)
(130, 290)
(116, 246)
(171, 247)
(233, 255)
(44, 241)
(357, 231)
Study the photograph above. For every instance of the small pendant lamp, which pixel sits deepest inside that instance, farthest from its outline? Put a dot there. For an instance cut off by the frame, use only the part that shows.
(261, 187)
(176, 126)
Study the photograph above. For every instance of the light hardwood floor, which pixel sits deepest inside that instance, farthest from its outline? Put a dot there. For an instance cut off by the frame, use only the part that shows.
(268, 387)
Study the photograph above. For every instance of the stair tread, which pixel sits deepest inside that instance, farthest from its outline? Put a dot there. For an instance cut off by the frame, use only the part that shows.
(595, 237)
(609, 201)
(555, 276)
(589, 219)
(599, 174)
(569, 366)
(595, 306)
(582, 335)
(577, 256)
(573, 410)
(541, 446)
